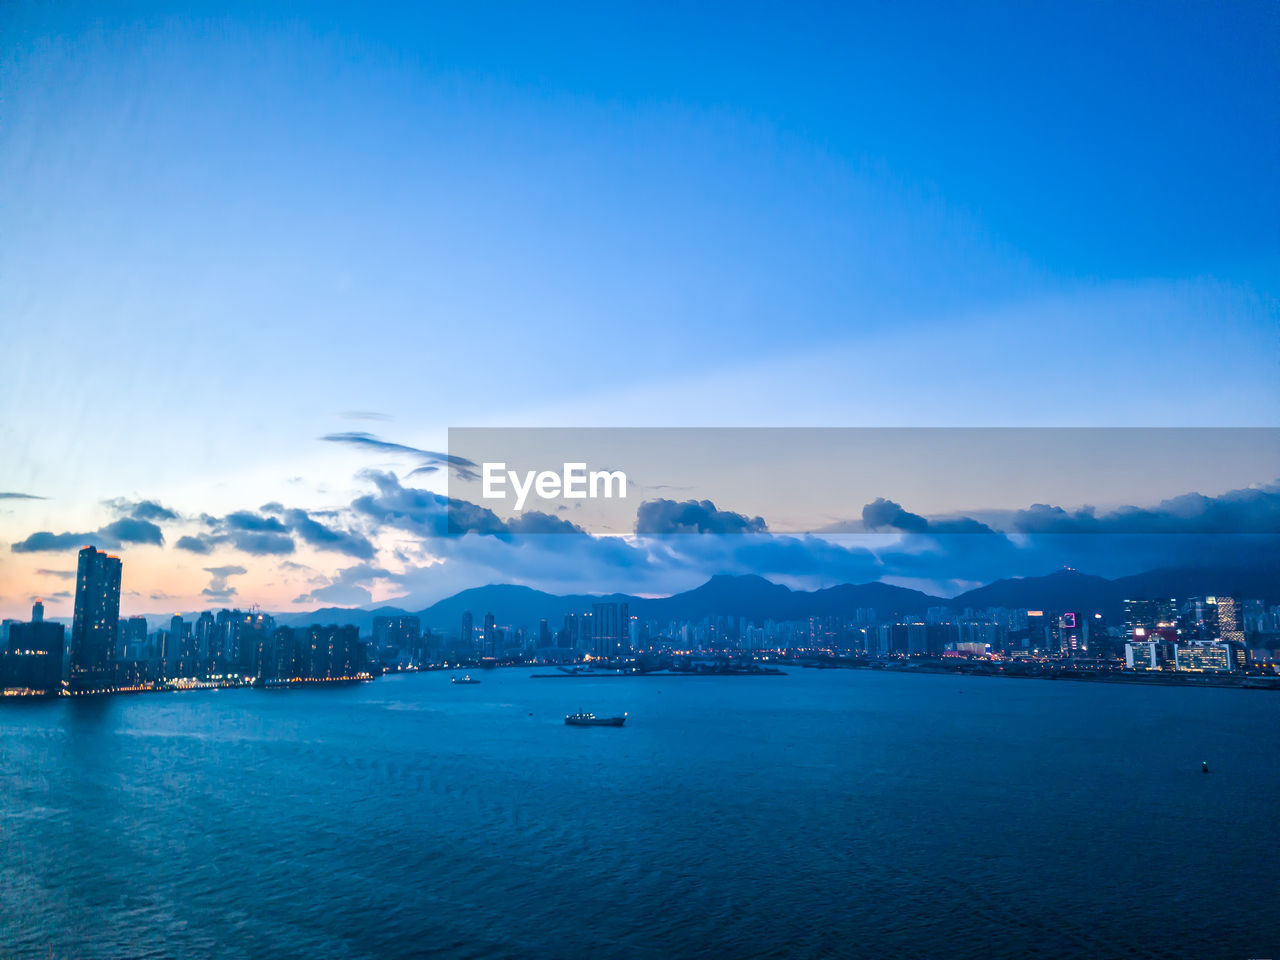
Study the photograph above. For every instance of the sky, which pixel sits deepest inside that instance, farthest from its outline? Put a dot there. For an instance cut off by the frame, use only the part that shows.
(232, 232)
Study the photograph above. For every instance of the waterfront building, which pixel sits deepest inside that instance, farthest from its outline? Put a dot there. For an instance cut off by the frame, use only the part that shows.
(917, 638)
(1203, 658)
(1037, 630)
(570, 635)
(132, 644)
(95, 623)
(398, 636)
(489, 639)
(1140, 655)
(1071, 636)
(1148, 615)
(610, 629)
(203, 636)
(1213, 619)
(31, 661)
(253, 632)
(330, 653)
(968, 648)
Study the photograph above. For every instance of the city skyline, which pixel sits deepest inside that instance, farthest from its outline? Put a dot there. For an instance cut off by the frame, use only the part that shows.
(1062, 625)
(101, 576)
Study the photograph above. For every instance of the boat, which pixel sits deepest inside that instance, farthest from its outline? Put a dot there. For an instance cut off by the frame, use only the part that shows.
(591, 720)
(465, 678)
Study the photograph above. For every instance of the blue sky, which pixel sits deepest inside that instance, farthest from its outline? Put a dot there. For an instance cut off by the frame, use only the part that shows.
(228, 229)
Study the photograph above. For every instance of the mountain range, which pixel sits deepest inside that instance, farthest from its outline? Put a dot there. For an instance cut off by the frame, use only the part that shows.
(759, 599)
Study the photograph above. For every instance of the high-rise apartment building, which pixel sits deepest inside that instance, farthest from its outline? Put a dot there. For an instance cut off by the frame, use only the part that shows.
(95, 623)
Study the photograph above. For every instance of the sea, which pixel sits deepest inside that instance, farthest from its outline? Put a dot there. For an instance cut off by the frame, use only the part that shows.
(824, 813)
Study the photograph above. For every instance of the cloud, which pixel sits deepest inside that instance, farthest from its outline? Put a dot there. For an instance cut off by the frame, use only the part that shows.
(141, 509)
(427, 514)
(350, 587)
(647, 562)
(113, 535)
(225, 571)
(261, 544)
(60, 574)
(218, 588)
(365, 415)
(1250, 510)
(536, 522)
(245, 531)
(201, 543)
(416, 511)
(466, 517)
(271, 532)
(693, 516)
(429, 460)
(45, 541)
(1246, 511)
(318, 535)
(247, 521)
(130, 530)
(21, 496)
(881, 514)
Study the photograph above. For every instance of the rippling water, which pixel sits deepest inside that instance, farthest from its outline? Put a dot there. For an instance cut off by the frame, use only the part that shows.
(824, 813)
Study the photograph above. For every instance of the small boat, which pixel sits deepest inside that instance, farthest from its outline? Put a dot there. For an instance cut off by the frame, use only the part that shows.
(591, 720)
(465, 678)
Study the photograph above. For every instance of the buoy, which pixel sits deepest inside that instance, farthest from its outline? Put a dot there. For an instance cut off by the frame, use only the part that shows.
(1204, 766)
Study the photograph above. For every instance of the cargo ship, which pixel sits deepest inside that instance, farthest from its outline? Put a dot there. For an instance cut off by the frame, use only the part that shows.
(591, 720)
(465, 679)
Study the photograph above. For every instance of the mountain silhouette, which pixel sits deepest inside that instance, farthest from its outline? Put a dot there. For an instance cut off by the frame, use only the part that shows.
(758, 599)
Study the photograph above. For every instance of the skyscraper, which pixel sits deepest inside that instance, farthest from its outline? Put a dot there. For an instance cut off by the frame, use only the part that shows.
(1212, 619)
(1072, 636)
(1150, 614)
(253, 636)
(609, 629)
(568, 636)
(204, 632)
(1230, 620)
(397, 633)
(132, 644)
(95, 622)
(490, 637)
(332, 652)
(1037, 630)
(173, 646)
